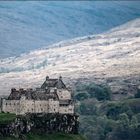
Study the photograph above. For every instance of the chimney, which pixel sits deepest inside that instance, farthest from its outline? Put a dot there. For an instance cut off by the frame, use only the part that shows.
(60, 77)
(47, 77)
(13, 90)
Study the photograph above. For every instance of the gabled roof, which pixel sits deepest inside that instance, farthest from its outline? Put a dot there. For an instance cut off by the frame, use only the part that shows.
(56, 83)
(42, 93)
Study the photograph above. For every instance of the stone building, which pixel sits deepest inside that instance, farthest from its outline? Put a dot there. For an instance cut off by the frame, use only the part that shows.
(52, 97)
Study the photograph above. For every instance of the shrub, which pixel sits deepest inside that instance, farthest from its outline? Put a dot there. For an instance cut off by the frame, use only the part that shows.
(88, 107)
(81, 96)
(137, 95)
(100, 92)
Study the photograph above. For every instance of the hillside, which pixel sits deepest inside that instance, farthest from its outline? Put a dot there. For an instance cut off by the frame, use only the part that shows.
(50, 137)
(113, 56)
(29, 25)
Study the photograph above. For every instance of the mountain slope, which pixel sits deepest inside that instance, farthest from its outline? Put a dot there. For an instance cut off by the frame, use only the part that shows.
(114, 54)
(28, 25)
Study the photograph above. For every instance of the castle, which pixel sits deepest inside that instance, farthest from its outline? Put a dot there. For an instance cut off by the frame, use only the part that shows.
(52, 97)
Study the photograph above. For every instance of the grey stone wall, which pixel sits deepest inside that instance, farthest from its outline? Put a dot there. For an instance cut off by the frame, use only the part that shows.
(24, 106)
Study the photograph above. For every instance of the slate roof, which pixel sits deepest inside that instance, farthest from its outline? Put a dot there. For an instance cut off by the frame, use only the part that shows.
(42, 93)
(56, 83)
(34, 95)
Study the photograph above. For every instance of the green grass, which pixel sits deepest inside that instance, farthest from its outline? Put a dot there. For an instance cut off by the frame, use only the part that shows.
(55, 137)
(8, 138)
(7, 117)
(49, 137)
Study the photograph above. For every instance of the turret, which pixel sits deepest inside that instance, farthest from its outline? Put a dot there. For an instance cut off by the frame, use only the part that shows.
(47, 78)
(60, 77)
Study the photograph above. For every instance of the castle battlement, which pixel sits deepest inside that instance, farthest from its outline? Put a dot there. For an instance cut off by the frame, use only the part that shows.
(52, 97)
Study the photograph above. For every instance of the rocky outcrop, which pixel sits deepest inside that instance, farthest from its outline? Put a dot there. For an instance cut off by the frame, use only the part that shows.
(40, 124)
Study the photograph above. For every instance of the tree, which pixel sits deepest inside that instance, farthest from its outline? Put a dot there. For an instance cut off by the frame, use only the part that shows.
(81, 96)
(113, 111)
(101, 92)
(124, 121)
(137, 95)
(134, 122)
(88, 107)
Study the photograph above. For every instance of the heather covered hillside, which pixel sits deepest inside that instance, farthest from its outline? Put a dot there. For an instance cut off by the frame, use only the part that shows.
(93, 47)
(112, 57)
(29, 25)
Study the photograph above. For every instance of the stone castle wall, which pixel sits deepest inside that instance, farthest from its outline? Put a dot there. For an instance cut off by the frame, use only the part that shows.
(23, 106)
(63, 94)
(52, 97)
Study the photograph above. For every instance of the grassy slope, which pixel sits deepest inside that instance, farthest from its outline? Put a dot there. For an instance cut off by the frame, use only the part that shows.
(50, 137)
(6, 117)
(56, 137)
